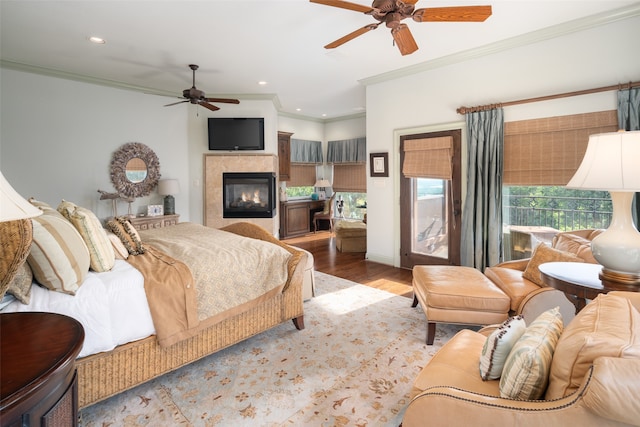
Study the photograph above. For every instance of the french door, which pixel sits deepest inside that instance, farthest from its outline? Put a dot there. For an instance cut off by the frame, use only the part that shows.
(430, 209)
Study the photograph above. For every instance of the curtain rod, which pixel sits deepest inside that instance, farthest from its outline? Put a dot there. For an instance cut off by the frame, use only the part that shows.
(621, 86)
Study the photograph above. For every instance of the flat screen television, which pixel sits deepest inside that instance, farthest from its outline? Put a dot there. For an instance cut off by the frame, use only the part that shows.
(233, 134)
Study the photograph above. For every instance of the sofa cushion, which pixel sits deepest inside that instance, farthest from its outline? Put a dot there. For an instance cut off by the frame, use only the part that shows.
(575, 244)
(608, 326)
(526, 370)
(498, 346)
(541, 254)
(456, 365)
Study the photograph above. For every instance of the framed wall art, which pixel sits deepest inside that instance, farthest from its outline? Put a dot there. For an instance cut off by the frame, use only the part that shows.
(379, 164)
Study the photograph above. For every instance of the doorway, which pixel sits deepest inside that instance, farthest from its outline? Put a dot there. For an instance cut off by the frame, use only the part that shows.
(430, 198)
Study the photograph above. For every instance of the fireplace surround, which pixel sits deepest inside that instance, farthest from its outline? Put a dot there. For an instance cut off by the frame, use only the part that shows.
(249, 195)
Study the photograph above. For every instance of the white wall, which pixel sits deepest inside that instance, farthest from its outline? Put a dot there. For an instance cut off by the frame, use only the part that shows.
(57, 138)
(597, 57)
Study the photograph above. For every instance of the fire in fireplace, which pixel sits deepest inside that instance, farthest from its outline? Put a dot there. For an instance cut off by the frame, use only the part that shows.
(249, 194)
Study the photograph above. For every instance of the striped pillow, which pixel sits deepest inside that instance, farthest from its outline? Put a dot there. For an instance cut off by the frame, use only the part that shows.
(94, 235)
(59, 258)
(526, 370)
(498, 345)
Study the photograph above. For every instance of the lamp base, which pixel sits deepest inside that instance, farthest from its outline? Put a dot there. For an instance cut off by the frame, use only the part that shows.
(169, 205)
(620, 280)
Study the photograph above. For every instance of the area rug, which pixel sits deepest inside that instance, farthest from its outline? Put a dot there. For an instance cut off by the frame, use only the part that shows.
(353, 365)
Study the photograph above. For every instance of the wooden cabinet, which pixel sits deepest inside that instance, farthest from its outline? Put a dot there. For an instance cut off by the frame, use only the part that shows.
(284, 156)
(296, 217)
(37, 360)
(149, 222)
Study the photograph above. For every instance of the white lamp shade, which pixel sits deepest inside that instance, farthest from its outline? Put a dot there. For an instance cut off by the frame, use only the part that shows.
(611, 163)
(12, 205)
(168, 187)
(322, 183)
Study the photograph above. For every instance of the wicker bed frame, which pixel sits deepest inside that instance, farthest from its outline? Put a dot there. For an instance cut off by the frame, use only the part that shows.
(105, 374)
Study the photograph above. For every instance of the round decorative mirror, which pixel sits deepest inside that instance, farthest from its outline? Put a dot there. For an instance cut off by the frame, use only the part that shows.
(135, 170)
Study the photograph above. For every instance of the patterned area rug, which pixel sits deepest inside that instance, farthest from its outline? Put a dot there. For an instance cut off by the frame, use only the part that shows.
(353, 365)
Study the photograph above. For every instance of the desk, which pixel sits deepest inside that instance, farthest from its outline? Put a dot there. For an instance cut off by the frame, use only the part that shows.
(296, 216)
(579, 281)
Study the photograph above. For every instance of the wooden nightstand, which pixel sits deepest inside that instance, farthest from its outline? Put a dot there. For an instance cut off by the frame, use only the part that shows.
(158, 221)
(37, 364)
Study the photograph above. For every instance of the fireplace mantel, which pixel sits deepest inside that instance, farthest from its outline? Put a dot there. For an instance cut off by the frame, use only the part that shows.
(217, 164)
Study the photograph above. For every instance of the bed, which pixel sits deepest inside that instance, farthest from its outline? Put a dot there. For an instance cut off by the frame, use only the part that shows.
(217, 298)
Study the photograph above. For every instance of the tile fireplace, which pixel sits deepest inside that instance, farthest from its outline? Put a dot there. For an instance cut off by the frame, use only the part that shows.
(249, 195)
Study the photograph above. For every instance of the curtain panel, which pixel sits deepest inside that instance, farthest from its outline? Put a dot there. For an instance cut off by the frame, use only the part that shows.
(481, 242)
(629, 119)
(304, 151)
(347, 151)
(428, 158)
(548, 151)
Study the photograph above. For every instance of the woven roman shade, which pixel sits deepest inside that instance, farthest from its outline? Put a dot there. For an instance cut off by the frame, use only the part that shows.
(428, 158)
(350, 177)
(302, 175)
(548, 151)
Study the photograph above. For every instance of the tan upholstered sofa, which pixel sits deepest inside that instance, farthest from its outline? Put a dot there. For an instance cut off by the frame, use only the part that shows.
(520, 280)
(593, 376)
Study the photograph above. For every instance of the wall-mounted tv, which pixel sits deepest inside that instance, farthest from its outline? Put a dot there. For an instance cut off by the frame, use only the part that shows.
(233, 134)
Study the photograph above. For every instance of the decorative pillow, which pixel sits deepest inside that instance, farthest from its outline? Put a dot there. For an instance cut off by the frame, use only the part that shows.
(571, 243)
(498, 346)
(93, 234)
(541, 254)
(20, 286)
(59, 258)
(15, 237)
(118, 247)
(128, 235)
(526, 370)
(607, 326)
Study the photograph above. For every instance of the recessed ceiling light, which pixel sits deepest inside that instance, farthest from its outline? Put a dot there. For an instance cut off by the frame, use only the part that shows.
(97, 40)
(324, 114)
(298, 109)
(262, 83)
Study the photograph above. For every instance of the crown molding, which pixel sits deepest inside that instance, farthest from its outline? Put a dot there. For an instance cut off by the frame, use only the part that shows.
(554, 31)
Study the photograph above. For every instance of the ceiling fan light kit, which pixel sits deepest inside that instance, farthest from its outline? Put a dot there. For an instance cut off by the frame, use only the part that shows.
(197, 96)
(392, 12)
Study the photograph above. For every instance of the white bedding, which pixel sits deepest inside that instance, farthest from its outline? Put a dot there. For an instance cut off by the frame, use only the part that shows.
(112, 307)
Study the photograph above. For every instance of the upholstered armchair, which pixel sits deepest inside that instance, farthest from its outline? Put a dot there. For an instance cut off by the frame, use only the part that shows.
(327, 214)
(592, 377)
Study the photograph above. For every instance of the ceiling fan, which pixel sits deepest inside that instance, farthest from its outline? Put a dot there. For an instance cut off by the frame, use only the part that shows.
(196, 96)
(392, 12)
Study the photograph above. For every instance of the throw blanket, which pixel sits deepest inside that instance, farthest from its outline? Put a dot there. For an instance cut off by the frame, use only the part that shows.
(231, 272)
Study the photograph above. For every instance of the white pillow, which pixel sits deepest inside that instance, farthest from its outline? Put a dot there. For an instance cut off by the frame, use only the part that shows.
(498, 346)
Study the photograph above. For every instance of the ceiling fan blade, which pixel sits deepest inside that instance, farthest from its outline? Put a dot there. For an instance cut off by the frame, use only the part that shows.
(176, 103)
(404, 39)
(224, 100)
(209, 106)
(345, 5)
(352, 35)
(452, 14)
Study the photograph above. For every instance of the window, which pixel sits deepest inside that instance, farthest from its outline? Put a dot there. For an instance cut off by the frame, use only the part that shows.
(353, 206)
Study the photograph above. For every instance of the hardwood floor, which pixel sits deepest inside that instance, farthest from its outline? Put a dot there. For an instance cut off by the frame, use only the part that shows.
(353, 266)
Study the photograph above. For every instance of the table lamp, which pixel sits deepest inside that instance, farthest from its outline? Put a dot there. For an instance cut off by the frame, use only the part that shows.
(321, 184)
(167, 188)
(16, 232)
(612, 163)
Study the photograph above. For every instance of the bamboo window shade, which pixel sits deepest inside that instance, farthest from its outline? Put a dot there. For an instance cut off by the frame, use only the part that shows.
(136, 164)
(350, 177)
(548, 151)
(302, 175)
(428, 158)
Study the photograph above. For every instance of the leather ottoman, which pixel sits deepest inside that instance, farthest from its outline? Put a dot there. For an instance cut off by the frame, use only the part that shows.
(454, 294)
